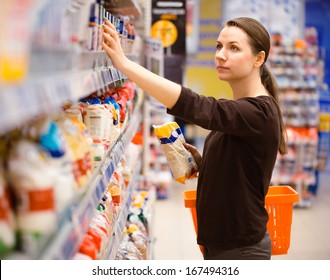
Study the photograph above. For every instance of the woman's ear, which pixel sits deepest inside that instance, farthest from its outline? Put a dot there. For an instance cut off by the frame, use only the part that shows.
(260, 58)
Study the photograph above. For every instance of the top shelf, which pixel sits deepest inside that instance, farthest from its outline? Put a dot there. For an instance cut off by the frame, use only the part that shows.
(123, 7)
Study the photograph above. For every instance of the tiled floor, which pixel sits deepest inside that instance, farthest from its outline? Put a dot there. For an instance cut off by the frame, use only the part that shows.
(174, 236)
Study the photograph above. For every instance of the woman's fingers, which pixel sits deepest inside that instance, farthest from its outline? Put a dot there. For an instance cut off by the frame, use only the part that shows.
(112, 45)
(195, 153)
(189, 147)
(107, 38)
(110, 32)
(106, 47)
(108, 23)
(110, 29)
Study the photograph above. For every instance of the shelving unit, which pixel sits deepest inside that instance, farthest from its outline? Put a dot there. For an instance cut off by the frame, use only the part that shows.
(76, 218)
(295, 67)
(68, 74)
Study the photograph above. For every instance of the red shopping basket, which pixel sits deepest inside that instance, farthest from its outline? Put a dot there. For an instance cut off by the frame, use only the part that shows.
(279, 205)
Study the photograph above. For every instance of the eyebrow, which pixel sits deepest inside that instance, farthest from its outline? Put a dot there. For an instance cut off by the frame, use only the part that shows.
(231, 42)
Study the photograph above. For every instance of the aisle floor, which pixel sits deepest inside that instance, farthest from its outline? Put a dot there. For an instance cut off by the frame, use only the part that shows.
(175, 239)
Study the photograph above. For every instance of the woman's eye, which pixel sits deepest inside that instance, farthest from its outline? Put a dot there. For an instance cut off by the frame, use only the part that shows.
(234, 48)
(219, 47)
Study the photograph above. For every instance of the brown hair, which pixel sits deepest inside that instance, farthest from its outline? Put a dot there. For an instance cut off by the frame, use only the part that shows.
(260, 41)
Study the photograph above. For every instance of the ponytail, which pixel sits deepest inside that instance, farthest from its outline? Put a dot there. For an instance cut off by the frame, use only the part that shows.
(270, 84)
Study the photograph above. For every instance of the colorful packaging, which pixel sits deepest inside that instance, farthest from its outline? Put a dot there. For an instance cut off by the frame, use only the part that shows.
(180, 160)
(51, 139)
(79, 149)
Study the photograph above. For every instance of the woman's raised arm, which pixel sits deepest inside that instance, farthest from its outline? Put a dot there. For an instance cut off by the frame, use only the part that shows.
(165, 91)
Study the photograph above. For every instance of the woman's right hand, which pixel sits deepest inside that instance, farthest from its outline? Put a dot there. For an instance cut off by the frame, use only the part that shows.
(195, 153)
(112, 46)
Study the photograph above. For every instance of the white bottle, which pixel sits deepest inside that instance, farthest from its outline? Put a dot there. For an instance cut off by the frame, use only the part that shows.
(33, 177)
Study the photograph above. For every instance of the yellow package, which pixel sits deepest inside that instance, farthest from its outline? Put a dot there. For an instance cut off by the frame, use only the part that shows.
(180, 160)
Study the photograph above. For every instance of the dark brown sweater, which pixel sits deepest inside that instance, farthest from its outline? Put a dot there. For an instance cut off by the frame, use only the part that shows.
(238, 159)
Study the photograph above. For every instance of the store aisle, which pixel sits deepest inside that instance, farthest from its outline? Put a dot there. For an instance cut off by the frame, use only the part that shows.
(175, 237)
(174, 231)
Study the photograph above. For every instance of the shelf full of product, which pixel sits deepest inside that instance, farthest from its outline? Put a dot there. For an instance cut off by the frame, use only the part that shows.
(297, 69)
(68, 118)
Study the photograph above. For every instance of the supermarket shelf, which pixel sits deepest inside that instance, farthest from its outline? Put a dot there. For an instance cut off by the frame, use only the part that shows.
(20, 104)
(75, 221)
(123, 7)
(119, 225)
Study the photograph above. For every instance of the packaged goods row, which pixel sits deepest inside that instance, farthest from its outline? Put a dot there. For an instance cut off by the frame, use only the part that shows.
(297, 68)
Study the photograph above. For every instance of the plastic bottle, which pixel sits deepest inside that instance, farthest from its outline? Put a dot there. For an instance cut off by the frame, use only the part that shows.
(33, 177)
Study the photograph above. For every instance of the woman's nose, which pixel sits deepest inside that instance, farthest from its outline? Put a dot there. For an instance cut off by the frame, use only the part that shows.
(220, 55)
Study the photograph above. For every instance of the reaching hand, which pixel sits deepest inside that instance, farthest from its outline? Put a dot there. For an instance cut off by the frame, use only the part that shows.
(112, 46)
(195, 153)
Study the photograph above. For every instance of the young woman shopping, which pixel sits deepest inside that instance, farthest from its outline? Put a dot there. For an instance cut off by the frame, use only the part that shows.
(246, 134)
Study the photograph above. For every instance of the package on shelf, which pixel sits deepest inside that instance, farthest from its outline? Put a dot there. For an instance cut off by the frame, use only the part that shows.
(98, 236)
(140, 211)
(129, 42)
(128, 250)
(87, 249)
(7, 218)
(122, 102)
(97, 118)
(96, 239)
(132, 154)
(16, 39)
(51, 138)
(125, 170)
(33, 180)
(136, 239)
(115, 187)
(125, 96)
(94, 28)
(74, 110)
(139, 238)
(98, 152)
(80, 152)
(106, 206)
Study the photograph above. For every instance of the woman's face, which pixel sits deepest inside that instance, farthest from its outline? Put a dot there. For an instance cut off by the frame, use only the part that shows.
(234, 59)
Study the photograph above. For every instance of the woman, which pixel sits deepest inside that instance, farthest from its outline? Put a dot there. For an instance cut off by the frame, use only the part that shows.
(240, 151)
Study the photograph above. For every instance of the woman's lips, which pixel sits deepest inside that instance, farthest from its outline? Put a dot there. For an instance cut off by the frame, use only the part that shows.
(222, 68)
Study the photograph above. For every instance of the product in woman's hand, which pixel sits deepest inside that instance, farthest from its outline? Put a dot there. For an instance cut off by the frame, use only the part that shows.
(180, 160)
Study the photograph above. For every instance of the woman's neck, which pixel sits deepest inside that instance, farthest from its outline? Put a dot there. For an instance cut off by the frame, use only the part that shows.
(247, 88)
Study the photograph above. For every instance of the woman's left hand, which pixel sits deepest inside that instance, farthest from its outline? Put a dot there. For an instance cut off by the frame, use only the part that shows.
(195, 153)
